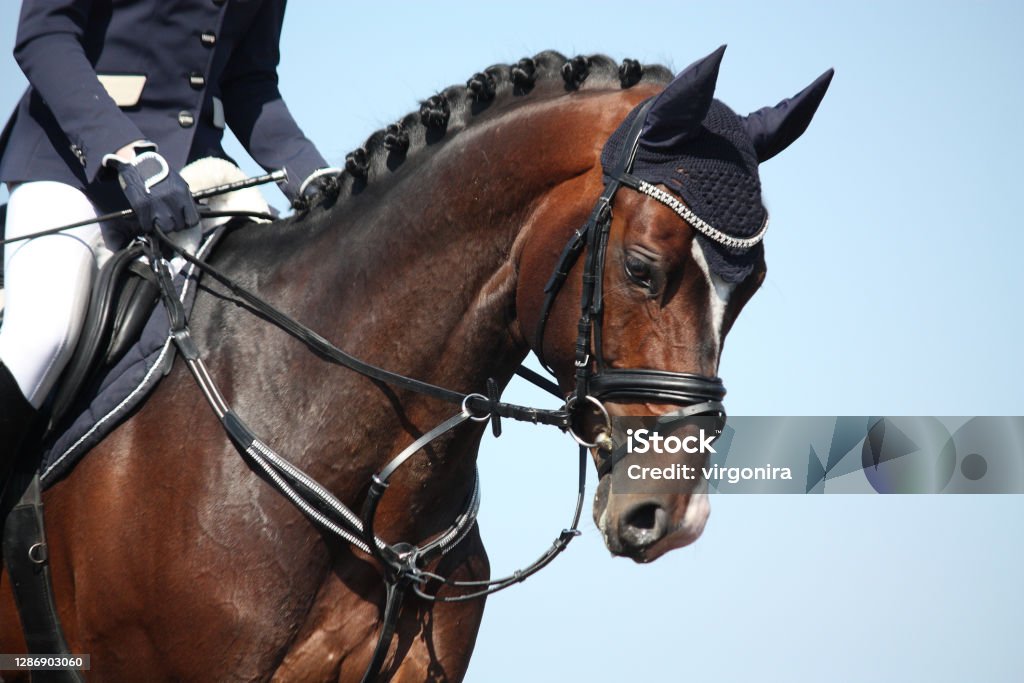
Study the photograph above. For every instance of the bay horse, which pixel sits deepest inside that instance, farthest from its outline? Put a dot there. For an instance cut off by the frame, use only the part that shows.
(172, 560)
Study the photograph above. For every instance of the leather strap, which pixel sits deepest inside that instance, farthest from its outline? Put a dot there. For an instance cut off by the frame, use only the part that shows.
(680, 387)
(319, 345)
(600, 218)
(25, 552)
(395, 591)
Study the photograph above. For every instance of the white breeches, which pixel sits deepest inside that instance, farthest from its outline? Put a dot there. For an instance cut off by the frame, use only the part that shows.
(48, 280)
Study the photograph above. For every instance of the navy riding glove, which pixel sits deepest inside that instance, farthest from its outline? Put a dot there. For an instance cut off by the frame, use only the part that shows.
(159, 196)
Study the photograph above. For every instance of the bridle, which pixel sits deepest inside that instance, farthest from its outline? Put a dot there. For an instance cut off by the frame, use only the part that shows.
(595, 381)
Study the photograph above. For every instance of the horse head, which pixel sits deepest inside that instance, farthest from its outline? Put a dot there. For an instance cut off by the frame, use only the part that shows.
(668, 266)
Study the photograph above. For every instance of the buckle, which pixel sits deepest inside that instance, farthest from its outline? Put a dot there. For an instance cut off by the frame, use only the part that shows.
(604, 438)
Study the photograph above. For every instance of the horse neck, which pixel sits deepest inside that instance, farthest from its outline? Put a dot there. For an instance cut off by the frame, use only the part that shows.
(429, 260)
(418, 274)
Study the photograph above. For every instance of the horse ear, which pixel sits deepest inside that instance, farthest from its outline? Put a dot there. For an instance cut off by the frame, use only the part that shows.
(678, 111)
(773, 129)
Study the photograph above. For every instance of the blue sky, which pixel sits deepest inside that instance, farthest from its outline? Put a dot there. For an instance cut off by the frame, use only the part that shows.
(893, 289)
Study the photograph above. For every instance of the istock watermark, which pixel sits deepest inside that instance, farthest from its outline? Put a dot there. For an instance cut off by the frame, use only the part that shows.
(817, 455)
(662, 454)
(645, 440)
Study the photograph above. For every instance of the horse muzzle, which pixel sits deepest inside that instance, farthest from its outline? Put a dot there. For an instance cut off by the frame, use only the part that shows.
(645, 524)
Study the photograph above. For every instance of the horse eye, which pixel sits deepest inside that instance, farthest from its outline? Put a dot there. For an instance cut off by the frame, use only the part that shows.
(638, 270)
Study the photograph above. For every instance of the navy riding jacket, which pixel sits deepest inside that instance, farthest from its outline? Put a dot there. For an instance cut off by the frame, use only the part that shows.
(103, 74)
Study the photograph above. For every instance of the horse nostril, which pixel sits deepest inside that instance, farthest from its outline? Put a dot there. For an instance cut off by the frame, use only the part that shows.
(642, 516)
(643, 525)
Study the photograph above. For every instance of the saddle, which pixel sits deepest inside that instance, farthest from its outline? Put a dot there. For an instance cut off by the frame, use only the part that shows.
(122, 319)
(123, 299)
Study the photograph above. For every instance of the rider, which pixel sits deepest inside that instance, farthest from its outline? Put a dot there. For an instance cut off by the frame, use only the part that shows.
(123, 95)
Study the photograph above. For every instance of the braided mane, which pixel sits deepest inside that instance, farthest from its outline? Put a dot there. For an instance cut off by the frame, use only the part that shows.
(455, 107)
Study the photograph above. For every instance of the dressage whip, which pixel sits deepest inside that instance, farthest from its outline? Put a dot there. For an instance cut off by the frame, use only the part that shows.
(274, 177)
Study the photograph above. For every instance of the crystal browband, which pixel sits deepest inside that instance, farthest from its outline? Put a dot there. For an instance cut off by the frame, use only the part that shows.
(698, 223)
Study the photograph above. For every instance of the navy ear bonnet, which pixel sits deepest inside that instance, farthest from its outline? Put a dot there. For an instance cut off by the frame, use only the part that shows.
(707, 155)
(714, 171)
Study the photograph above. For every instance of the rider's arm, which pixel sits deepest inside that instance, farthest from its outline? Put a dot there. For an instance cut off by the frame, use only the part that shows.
(253, 106)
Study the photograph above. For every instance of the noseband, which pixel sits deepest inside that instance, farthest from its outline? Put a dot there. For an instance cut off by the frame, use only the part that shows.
(595, 380)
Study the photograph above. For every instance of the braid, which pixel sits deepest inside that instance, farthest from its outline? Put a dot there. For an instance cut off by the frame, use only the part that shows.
(630, 72)
(357, 163)
(435, 111)
(481, 86)
(575, 71)
(396, 138)
(455, 107)
(524, 74)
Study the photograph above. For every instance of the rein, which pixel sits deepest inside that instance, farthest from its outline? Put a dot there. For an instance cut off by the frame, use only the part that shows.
(401, 562)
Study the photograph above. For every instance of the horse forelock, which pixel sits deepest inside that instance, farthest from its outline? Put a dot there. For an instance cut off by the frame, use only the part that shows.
(457, 107)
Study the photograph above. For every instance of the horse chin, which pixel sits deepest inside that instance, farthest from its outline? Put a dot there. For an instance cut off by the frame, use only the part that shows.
(696, 508)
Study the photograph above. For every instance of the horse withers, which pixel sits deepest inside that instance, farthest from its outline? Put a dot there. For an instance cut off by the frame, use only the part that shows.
(172, 560)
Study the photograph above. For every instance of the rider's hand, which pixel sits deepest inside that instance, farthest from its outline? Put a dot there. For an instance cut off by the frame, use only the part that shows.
(159, 196)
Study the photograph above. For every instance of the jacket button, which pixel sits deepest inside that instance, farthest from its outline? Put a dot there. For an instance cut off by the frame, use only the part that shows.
(208, 38)
(185, 119)
(196, 80)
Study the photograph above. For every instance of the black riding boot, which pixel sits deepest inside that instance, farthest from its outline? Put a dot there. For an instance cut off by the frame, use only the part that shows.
(16, 415)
